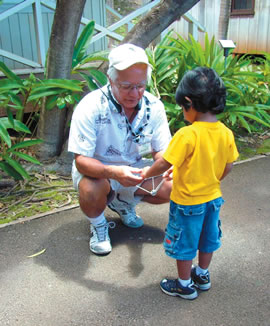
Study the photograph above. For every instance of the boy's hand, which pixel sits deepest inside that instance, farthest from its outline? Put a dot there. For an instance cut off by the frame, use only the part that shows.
(144, 171)
(168, 175)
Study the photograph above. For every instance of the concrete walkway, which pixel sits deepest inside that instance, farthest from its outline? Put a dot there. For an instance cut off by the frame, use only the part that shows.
(67, 285)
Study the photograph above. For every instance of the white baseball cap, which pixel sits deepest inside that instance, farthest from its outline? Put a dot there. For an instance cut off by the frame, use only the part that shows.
(126, 55)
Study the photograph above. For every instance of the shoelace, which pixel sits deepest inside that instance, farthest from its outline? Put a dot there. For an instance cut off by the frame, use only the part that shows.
(102, 230)
(131, 213)
(204, 276)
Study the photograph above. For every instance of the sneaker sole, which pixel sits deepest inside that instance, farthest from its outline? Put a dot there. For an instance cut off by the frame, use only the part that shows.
(187, 296)
(100, 253)
(202, 287)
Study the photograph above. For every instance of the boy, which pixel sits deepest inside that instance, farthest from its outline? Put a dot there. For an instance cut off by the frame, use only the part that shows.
(201, 154)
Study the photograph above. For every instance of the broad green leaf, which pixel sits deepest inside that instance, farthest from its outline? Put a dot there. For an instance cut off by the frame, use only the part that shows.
(4, 134)
(82, 65)
(14, 98)
(92, 85)
(207, 48)
(242, 109)
(9, 74)
(244, 123)
(69, 84)
(10, 170)
(265, 116)
(82, 43)
(8, 84)
(45, 92)
(25, 143)
(26, 157)
(253, 117)
(51, 102)
(233, 118)
(99, 76)
(17, 166)
(10, 117)
(20, 126)
(169, 73)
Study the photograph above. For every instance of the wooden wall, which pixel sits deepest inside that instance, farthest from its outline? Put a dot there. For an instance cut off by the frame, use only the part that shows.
(17, 32)
(251, 34)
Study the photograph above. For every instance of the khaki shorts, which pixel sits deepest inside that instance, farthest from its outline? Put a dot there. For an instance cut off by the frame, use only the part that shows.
(125, 192)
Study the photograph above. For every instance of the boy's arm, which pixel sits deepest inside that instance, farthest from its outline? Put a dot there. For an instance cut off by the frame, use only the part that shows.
(227, 170)
(159, 167)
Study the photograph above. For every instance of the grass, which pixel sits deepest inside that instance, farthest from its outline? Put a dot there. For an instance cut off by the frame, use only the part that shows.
(250, 146)
(42, 193)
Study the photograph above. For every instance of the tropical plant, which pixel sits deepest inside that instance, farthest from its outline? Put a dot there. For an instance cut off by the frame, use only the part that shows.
(9, 152)
(15, 95)
(164, 81)
(248, 92)
(84, 63)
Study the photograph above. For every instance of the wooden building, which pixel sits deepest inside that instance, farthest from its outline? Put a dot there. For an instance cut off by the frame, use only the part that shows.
(249, 23)
(25, 28)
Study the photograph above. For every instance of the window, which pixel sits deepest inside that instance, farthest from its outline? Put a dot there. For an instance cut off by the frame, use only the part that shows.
(242, 7)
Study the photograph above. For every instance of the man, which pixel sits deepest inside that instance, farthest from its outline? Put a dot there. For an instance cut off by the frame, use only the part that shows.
(111, 129)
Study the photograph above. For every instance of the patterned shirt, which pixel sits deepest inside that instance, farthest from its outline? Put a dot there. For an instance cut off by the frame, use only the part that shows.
(98, 130)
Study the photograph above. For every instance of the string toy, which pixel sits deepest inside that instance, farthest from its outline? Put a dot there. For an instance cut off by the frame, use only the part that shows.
(154, 190)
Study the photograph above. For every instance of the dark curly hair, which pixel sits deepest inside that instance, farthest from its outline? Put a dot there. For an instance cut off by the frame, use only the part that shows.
(204, 88)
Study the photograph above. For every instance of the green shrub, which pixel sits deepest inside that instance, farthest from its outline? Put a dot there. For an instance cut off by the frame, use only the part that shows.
(248, 88)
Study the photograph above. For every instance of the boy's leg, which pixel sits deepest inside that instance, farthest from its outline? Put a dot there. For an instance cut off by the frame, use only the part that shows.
(200, 274)
(209, 242)
(183, 286)
(184, 269)
(205, 259)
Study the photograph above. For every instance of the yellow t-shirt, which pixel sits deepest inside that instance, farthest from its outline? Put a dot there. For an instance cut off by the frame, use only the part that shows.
(199, 154)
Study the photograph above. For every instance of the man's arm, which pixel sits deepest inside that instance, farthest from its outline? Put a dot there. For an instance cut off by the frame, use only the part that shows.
(157, 155)
(95, 169)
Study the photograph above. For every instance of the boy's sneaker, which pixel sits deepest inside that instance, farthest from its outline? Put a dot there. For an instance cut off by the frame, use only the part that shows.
(174, 288)
(201, 281)
(100, 242)
(127, 213)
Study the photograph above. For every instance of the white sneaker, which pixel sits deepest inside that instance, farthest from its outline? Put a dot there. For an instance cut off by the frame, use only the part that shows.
(127, 214)
(100, 242)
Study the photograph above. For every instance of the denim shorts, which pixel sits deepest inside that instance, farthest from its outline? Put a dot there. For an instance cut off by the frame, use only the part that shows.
(192, 228)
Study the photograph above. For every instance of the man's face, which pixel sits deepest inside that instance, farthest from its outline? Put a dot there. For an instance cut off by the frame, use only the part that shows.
(129, 86)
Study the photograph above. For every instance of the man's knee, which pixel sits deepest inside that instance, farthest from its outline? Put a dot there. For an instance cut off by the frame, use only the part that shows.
(166, 190)
(93, 190)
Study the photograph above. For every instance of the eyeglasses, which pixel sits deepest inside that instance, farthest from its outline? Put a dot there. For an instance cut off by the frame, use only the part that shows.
(127, 87)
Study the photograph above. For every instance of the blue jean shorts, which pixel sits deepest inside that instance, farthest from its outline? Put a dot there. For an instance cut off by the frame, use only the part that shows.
(192, 228)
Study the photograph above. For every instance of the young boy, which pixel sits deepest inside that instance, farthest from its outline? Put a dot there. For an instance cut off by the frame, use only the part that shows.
(201, 155)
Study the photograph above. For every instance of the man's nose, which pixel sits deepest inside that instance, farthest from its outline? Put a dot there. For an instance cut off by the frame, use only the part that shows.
(134, 89)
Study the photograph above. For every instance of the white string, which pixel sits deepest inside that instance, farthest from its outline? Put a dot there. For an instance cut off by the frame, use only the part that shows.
(154, 190)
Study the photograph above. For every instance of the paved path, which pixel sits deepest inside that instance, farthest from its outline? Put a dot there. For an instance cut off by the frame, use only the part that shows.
(67, 285)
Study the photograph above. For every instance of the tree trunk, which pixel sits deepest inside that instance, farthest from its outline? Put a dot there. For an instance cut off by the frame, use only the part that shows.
(64, 33)
(157, 20)
(224, 17)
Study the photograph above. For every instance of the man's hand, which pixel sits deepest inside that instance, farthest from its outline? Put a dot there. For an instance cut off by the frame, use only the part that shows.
(127, 176)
